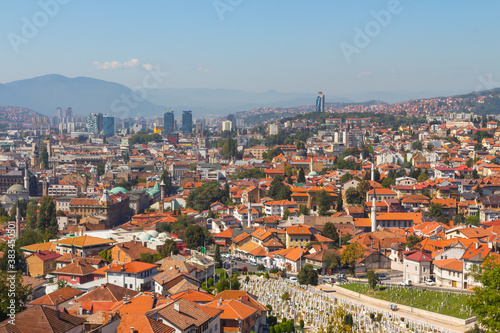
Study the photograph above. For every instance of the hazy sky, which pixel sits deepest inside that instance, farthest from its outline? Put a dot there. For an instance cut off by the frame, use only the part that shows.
(257, 45)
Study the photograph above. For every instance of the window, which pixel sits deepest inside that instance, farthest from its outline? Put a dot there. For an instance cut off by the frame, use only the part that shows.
(415, 268)
(73, 278)
(424, 269)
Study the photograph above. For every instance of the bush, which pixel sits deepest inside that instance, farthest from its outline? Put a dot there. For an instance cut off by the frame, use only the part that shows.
(273, 270)
(210, 282)
(261, 268)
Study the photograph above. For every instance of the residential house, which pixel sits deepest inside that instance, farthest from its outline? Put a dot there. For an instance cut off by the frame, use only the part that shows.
(41, 263)
(417, 266)
(128, 251)
(188, 317)
(83, 246)
(449, 273)
(134, 275)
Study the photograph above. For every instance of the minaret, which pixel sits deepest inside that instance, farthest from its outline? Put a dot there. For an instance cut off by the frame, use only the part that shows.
(374, 212)
(311, 165)
(27, 178)
(162, 196)
(18, 220)
(373, 173)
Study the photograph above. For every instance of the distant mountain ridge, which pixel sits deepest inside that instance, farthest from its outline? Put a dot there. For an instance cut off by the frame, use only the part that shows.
(85, 95)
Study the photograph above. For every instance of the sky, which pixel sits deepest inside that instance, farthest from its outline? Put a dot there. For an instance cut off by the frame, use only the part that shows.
(339, 47)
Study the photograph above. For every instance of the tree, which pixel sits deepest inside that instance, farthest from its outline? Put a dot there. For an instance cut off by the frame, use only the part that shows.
(422, 177)
(303, 210)
(337, 322)
(278, 190)
(47, 218)
(61, 283)
(150, 257)
(416, 145)
(286, 214)
(330, 231)
(332, 259)
(412, 241)
(308, 275)
(351, 253)
(459, 219)
(196, 235)
(353, 197)
(44, 158)
(485, 302)
(217, 257)
(430, 146)
(22, 209)
(285, 296)
(435, 210)
(388, 182)
(324, 201)
(202, 197)
(301, 178)
(105, 255)
(372, 279)
(168, 248)
(9, 282)
(100, 168)
(346, 177)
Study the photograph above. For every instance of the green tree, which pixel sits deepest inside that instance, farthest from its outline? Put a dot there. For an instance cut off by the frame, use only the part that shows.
(105, 255)
(459, 219)
(416, 145)
(195, 236)
(332, 259)
(324, 201)
(372, 279)
(308, 275)
(301, 178)
(100, 168)
(278, 189)
(150, 257)
(353, 197)
(412, 241)
(303, 210)
(435, 210)
(168, 248)
(47, 222)
(388, 182)
(422, 177)
(22, 209)
(20, 296)
(346, 177)
(44, 158)
(217, 257)
(202, 197)
(485, 302)
(167, 180)
(337, 322)
(330, 231)
(286, 214)
(61, 283)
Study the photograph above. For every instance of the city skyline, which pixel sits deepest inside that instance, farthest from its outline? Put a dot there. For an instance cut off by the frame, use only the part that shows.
(258, 46)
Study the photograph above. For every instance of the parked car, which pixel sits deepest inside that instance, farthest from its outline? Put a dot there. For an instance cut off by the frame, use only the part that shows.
(244, 268)
(329, 280)
(406, 283)
(429, 282)
(293, 279)
(382, 277)
(341, 276)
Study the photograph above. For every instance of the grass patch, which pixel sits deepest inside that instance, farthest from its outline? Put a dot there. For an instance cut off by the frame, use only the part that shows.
(449, 304)
(219, 271)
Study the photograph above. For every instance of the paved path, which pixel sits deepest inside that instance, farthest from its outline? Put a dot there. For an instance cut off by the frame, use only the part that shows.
(340, 293)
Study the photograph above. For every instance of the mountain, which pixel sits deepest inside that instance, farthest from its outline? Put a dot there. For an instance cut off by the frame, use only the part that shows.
(85, 95)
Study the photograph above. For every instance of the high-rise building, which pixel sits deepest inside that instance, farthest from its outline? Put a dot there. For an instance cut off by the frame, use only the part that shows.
(69, 112)
(168, 121)
(108, 122)
(226, 125)
(95, 123)
(320, 102)
(232, 119)
(59, 112)
(187, 122)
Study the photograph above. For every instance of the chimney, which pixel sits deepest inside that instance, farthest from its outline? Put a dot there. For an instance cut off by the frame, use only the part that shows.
(219, 302)
(177, 307)
(124, 300)
(80, 310)
(57, 308)
(477, 245)
(132, 330)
